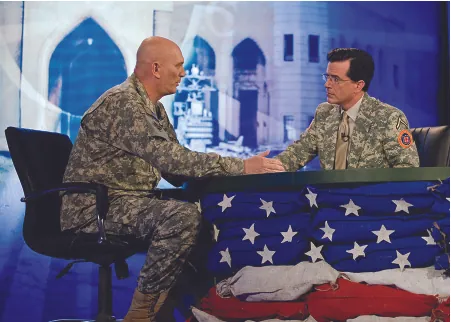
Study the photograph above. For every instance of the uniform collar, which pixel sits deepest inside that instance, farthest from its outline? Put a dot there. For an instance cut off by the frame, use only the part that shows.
(354, 110)
(149, 107)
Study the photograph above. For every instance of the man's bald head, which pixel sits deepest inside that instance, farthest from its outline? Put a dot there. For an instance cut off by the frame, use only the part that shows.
(155, 49)
(159, 65)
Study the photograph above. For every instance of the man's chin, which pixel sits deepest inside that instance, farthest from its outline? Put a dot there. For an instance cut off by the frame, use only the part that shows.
(331, 100)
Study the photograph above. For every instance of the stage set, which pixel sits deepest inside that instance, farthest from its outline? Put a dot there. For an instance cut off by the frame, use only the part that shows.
(311, 245)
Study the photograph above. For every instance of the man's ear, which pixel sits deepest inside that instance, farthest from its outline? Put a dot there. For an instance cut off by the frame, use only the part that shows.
(156, 70)
(360, 85)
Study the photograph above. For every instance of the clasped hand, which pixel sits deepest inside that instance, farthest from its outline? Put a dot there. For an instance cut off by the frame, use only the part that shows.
(261, 164)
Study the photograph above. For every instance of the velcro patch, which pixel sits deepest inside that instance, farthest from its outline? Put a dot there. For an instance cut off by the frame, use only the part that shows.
(405, 139)
(401, 121)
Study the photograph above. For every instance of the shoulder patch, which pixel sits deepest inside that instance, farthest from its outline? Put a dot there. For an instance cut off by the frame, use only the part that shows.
(405, 139)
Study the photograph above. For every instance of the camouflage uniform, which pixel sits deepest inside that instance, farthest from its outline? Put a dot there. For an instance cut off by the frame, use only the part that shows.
(380, 139)
(128, 143)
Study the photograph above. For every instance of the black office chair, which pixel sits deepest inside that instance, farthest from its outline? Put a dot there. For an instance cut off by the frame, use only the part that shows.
(40, 159)
(432, 145)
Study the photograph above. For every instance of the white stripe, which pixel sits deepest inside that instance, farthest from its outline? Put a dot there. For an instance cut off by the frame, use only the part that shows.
(416, 280)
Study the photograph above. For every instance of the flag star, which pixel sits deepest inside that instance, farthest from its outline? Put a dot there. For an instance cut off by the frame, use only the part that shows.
(357, 251)
(216, 232)
(288, 235)
(401, 260)
(312, 198)
(226, 257)
(315, 252)
(197, 203)
(226, 202)
(250, 234)
(351, 208)
(328, 232)
(266, 255)
(383, 234)
(267, 206)
(402, 205)
(429, 239)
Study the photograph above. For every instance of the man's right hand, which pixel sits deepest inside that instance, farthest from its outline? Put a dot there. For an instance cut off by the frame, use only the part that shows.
(261, 164)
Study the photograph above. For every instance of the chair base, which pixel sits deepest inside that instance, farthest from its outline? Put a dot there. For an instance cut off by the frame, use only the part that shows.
(105, 299)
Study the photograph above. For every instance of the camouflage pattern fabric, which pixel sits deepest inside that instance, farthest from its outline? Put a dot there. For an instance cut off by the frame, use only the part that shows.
(127, 143)
(380, 139)
(170, 226)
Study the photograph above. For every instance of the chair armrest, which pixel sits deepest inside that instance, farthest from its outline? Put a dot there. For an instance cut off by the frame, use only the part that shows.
(100, 190)
(173, 193)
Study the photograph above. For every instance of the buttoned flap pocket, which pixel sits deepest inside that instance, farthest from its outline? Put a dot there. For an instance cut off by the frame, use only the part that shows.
(156, 127)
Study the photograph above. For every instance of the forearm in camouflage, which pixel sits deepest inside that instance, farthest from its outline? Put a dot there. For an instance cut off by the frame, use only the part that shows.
(300, 152)
(121, 123)
(174, 159)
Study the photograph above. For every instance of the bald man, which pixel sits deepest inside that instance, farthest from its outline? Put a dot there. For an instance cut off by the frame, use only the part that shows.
(127, 143)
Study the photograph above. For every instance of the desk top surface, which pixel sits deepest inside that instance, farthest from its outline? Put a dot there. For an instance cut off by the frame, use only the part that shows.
(296, 180)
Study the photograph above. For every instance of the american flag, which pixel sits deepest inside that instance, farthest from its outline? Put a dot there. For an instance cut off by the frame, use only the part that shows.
(355, 229)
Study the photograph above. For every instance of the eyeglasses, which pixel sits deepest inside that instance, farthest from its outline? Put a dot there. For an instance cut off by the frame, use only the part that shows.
(334, 79)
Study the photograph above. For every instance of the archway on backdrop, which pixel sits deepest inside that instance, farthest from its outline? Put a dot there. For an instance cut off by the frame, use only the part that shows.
(82, 67)
(248, 76)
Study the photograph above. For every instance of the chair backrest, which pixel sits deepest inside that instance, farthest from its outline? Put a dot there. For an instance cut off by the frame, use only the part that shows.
(432, 145)
(40, 159)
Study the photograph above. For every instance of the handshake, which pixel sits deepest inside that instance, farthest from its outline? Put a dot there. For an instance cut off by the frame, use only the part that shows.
(261, 164)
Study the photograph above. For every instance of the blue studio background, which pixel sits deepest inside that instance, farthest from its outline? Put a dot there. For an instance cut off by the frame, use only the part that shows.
(253, 83)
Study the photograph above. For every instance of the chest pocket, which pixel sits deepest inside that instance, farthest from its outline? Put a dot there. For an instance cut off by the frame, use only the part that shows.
(156, 127)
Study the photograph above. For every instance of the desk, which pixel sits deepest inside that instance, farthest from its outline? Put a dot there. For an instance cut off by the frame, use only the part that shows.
(297, 180)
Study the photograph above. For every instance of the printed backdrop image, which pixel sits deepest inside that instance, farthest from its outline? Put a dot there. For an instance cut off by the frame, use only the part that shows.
(253, 82)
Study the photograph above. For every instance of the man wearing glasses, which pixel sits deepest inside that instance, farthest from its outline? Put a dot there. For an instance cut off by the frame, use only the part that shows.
(352, 129)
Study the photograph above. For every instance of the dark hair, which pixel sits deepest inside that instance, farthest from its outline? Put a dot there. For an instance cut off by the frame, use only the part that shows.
(361, 64)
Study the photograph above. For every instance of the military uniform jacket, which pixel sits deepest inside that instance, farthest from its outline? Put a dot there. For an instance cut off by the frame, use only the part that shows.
(380, 139)
(127, 143)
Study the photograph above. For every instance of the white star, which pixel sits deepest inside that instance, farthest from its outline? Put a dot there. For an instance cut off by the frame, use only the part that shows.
(315, 252)
(266, 255)
(197, 203)
(288, 235)
(429, 240)
(250, 234)
(402, 205)
(351, 208)
(328, 232)
(383, 234)
(226, 202)
(226, 257)
(401, 260)
(357, 251)
(312, 198)
(216, 232)
(267, 206)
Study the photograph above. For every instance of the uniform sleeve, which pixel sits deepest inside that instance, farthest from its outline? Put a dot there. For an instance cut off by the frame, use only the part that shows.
(399, 146)
(300, 152)
(120, 123)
